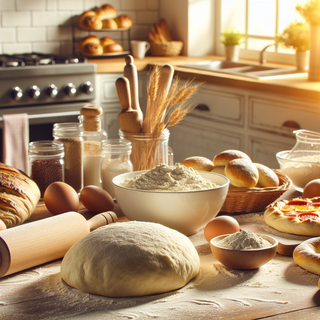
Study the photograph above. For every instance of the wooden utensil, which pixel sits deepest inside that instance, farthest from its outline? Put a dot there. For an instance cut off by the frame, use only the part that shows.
(38, 242)
(130, 72)
(165, 80)
(129, 119)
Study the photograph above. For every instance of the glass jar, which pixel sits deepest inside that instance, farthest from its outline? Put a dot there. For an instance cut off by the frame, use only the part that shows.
(116, 160)
(147, 152)
(93, 135)
(46, 163)
(71, 135)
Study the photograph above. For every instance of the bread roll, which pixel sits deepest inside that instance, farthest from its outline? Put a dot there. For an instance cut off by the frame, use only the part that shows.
(109, 24)
(106, 12)
(123, 21)
(90, 46)
(19, 196)
(267, 177)
(242, 173)
(89, 21)
(111, 48)
(223, 158)
(198, 163)
(106, 41)
(219, 170)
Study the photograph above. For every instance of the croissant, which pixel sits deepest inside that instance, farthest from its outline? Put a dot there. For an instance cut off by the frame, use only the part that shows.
(19, 196)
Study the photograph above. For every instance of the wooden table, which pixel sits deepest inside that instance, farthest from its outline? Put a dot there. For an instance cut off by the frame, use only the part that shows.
(278, 290)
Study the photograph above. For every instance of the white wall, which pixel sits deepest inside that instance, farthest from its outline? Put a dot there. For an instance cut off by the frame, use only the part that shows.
(45, 25)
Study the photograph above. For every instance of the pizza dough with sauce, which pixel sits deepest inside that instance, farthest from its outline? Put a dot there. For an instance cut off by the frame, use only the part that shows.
(130, 259)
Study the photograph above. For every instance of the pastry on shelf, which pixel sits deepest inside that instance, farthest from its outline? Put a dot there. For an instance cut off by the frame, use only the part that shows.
(123, 21)
(91, 46)
(89, 21)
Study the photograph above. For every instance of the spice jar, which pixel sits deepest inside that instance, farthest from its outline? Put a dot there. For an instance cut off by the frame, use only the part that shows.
(147, 151)
(71, 135)
(93, 134)
(46, 163)
(116, 160)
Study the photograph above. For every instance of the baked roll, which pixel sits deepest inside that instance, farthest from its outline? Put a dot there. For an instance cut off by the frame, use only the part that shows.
(198, 163)
(111, 48)
(19, 196)
(123, 21)
(105, 41)
(109, 24)
(90, 46)
(106, 12)
(89, 21)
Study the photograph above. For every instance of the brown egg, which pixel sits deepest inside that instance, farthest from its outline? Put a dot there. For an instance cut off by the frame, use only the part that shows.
(59, 197)
(312, 189)
(2, 225)
(220, 225)
(96, 199)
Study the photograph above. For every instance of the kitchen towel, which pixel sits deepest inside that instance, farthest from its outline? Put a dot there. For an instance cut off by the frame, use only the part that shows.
(16, 140)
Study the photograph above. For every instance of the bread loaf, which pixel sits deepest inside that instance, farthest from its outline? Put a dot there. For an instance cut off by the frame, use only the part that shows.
(89, 21)
(106, 12)
(123, 21)
(106, 41)
(223, 158)
(109, 24)
(19, 196)
(114, 47)
(267, 177)
(198, 163)
(90, 46)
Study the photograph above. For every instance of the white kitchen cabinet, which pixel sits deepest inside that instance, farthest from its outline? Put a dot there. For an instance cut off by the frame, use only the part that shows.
(258, 123)
(107, 99)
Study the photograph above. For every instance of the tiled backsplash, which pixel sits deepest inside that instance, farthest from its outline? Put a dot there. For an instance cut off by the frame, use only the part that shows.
(46, 25)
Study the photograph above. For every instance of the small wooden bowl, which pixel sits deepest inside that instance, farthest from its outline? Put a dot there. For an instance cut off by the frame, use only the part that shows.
(244, 259)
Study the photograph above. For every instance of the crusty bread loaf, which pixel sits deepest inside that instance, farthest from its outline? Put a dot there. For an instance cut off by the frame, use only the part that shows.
(242, 173)
(90, 46)
(198, 163)
(123, 21)
(19, 196)
(223, 158)
(109, 24)
(267, 177)
(106, 12)
(89, 21)
(114, 47)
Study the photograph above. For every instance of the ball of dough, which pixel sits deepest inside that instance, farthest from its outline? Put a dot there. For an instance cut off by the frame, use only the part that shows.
(267, 177)
(130, 259)
(198, 163)
(242, 173)
(224, 157)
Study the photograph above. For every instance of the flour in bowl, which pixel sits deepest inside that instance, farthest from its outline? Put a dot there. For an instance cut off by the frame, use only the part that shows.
(169, 178)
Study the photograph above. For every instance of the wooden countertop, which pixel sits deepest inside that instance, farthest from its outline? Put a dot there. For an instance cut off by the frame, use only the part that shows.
(295, 87)
(277, 289)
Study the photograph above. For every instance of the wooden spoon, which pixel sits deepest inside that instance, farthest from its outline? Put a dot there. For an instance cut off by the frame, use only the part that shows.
(165, 80)
(130, 72)
(128, 118)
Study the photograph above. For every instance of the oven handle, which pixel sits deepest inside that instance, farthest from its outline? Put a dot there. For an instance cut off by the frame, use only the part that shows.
(50, 115)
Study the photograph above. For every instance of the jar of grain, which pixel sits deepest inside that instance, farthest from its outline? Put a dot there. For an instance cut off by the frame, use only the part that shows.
(91, 120)
(71, 135)
(116, 160)
(46, 163)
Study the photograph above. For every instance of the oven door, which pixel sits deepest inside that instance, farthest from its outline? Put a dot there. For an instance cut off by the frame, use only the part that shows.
(42, 119)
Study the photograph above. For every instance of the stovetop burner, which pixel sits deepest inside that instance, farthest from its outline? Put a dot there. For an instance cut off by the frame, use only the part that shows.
(36, 59)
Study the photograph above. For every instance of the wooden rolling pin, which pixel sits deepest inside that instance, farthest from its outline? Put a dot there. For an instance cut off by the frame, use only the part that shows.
(38, 242)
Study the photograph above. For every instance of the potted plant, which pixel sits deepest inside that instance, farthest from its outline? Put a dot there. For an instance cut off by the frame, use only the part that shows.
(231, 40)
(310, 11)
(297, 36)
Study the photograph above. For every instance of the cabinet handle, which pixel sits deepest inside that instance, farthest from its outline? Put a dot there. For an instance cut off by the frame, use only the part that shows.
(291, 124)
(202, 107)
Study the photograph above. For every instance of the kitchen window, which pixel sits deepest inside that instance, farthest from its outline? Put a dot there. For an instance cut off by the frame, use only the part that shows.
(260, 21)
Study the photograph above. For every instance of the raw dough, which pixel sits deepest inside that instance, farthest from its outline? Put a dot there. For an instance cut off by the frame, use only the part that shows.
(130, 259)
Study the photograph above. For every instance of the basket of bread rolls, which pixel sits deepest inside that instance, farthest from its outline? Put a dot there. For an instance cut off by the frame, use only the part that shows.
(105, 17)
(161, 41)
(253, 186)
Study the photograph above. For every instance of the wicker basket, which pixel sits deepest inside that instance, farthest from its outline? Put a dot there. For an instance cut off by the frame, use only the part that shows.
(245, 200)
(168, 49)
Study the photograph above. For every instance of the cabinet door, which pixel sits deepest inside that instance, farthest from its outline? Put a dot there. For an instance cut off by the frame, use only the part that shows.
(200, 139)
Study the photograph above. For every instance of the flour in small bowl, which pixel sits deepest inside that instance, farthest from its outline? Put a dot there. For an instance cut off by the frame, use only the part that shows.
(169, 178)
(243, 240)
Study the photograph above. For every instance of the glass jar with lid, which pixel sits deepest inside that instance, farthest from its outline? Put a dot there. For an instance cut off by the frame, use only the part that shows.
(116, 160)
(46, 163)
(71, 135)
(93, 134)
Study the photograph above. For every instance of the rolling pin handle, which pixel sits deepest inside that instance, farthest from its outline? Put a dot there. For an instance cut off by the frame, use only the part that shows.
(102, 219)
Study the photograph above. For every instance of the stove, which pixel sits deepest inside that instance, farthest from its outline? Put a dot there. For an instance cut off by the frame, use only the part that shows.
(49, 88)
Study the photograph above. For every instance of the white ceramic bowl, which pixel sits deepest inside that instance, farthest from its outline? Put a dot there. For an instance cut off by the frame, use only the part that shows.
(301, 169)
(186, 212)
